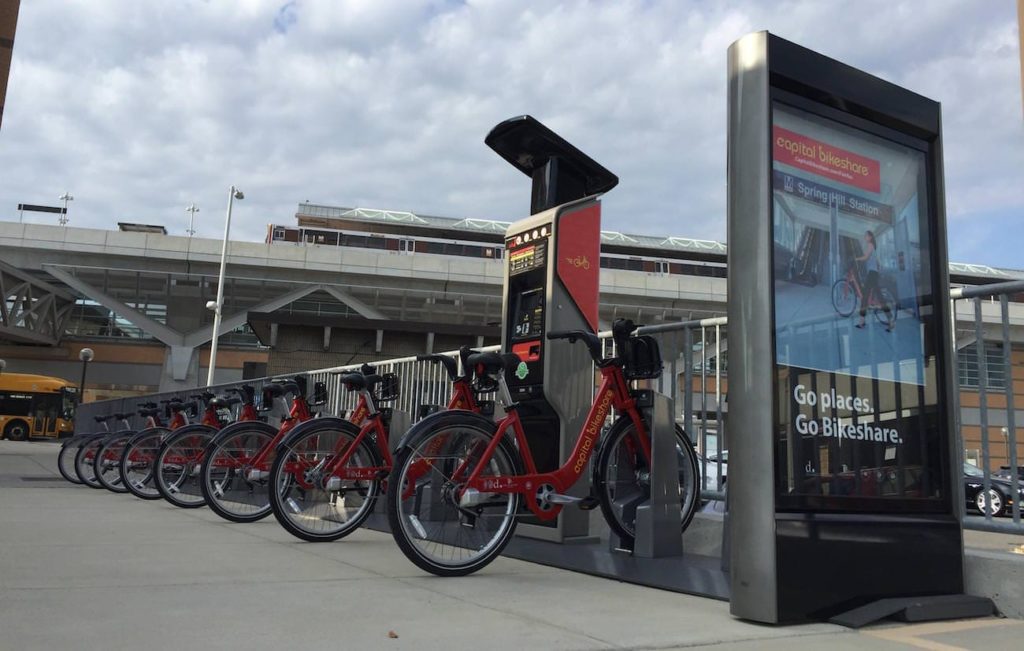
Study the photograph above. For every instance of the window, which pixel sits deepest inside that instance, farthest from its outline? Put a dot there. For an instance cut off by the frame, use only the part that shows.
(969, 366)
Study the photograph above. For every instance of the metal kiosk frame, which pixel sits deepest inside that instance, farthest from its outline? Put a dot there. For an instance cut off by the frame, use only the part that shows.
(812, 538)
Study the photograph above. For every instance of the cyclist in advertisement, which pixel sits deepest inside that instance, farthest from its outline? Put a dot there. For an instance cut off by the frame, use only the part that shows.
(871, 288)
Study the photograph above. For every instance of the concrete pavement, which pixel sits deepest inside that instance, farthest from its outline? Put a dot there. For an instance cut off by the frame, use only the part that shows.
(83, 569)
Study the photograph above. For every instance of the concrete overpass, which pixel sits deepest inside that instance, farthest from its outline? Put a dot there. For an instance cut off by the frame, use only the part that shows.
(289, 307)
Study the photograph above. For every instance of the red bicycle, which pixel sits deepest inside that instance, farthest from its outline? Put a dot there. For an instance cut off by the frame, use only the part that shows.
(463, 477)
(176, 467)
(139, 452)
(848, 293)
(236, 463)
(108, 459)
(329, 472)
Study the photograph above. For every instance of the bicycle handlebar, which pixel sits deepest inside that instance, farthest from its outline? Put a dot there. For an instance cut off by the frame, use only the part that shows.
(589, 338)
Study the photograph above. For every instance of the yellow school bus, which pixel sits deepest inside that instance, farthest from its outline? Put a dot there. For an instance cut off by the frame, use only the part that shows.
(36, 405)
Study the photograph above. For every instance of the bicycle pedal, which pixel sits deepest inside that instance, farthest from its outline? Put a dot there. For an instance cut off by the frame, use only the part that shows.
(383, 474)
(588, 503)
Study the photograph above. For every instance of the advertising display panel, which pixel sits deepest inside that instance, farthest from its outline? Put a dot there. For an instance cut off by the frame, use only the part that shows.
(856, 387)
(842, 453)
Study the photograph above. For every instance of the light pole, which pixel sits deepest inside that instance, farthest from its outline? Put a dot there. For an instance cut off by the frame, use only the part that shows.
(86, 356)
(3, 365)
(192, 210)
(66, 197)
(218, 306)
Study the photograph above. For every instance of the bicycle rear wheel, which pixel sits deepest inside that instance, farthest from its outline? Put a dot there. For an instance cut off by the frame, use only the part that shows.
(427, 521)
(178, 464)
(66, 458)
(622, 478)
(230, 486)
(885, 311)
(308, 502)
(84, 458)
(137, 461)
(108, 462)
(844, 298)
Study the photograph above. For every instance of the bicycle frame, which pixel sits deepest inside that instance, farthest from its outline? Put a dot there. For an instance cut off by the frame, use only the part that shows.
(299, 413)
(462, 398)
(612, 394)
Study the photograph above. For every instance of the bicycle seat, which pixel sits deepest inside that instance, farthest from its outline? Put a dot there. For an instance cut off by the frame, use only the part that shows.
(100, 419)
(358, 381)
(493, 363)
(149, 412)
(223, 402)
(122, 416)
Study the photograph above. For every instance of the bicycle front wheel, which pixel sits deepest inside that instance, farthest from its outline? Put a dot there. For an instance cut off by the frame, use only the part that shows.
(178, 464)
(108, 462)
(844, 298)
(66, 459)
(85, 469)
(308, 497)
(435, 528)
(234, 486)
(622, 478)
(137, 462)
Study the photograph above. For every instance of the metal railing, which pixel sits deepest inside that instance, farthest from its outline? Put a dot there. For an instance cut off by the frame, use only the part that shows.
(977, 297)
(695, 356)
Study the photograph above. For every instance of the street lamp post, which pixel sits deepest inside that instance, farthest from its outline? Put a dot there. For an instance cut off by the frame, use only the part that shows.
(192, 210)
(218, 306)
(66, 197)
(86, 356)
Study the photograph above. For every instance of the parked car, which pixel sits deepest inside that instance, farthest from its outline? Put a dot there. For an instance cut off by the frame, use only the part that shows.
(1000, 492)
(709, 466)
(1007, 474)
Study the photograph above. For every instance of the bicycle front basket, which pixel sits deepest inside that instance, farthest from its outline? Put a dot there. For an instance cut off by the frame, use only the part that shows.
(641, 358)
(388, 387)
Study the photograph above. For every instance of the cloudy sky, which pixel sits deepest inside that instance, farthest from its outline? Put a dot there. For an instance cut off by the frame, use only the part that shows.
(140, 108)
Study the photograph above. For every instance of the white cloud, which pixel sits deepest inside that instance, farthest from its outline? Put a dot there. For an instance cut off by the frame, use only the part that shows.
(141, 108)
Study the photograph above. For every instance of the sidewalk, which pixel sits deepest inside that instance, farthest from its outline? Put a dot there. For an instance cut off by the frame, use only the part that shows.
(83, 568)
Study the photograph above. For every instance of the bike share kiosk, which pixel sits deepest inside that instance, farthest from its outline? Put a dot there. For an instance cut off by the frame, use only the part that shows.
(845, 491)
(552, 267)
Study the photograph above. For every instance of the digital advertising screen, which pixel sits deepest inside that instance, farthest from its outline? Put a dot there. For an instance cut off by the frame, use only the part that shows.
(856, 388)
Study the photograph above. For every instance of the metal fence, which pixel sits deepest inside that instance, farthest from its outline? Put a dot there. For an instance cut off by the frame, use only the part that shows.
(695, 377)
(985, 301)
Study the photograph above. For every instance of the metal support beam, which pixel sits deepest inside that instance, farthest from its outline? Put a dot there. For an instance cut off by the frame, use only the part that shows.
(227, 324)
(430, 343)
(380, 341)
(345, 297)
(31, 311)
(327, 337)
(149, 326)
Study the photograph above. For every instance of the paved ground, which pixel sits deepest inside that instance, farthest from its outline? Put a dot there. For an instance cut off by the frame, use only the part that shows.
(84, 569)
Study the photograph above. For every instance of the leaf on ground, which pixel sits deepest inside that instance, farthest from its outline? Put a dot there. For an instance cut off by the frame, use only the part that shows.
(392, 635)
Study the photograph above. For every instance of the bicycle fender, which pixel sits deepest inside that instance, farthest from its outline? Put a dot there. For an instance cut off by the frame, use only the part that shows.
(318, 423)
(245, 425)
(195, 428)
(437, 419)
(149, 431)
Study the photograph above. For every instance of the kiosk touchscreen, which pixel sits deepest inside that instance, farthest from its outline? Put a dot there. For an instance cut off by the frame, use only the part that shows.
(842, 450)
(552, 283)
